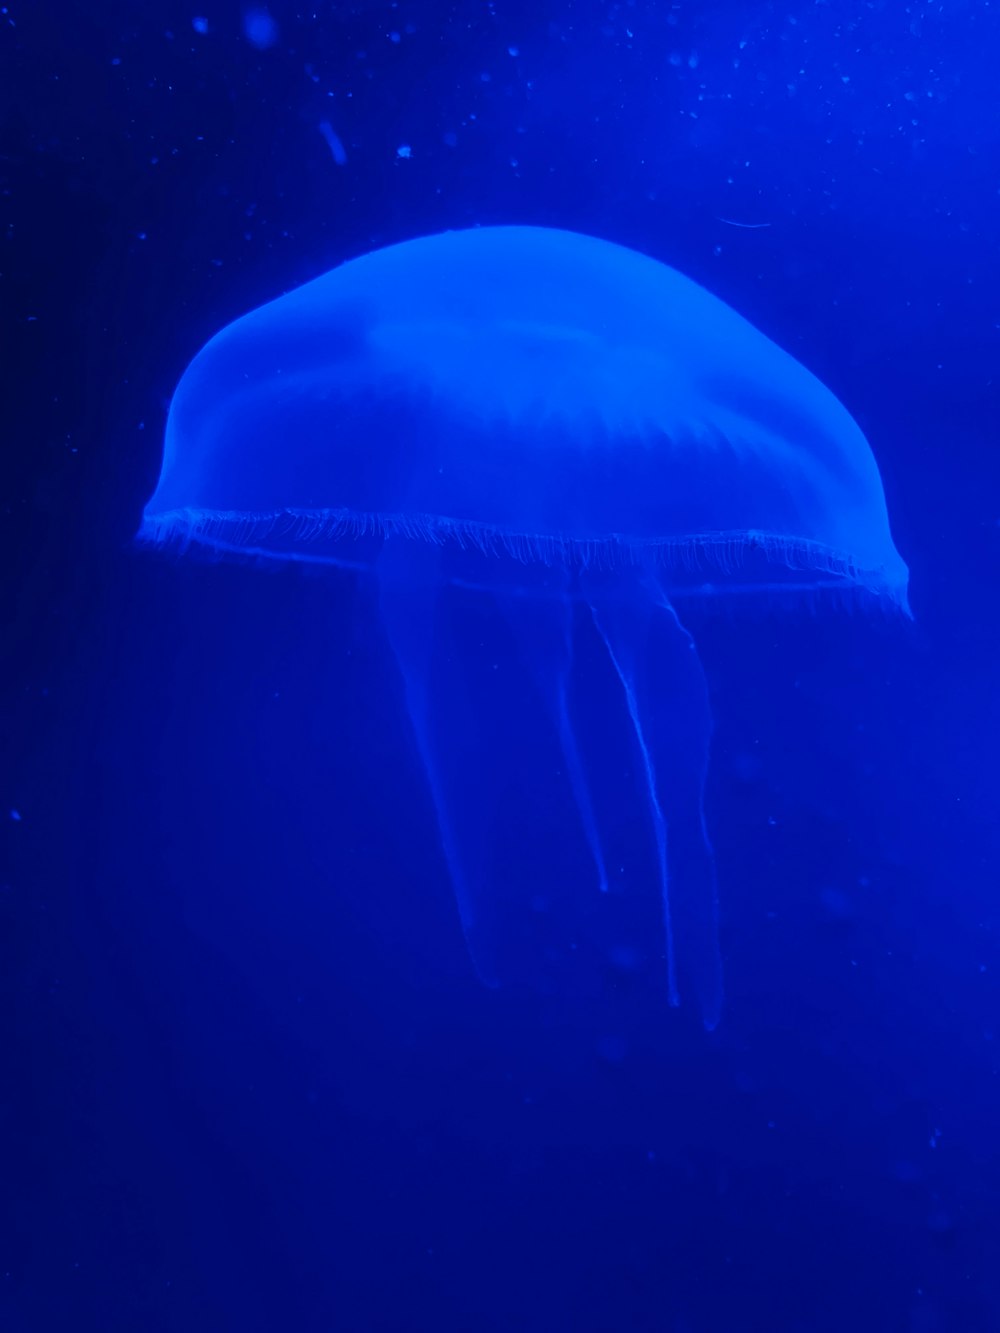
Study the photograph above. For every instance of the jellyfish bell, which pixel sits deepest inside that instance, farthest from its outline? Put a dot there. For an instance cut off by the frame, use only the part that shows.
(564, 391)
(577, 434)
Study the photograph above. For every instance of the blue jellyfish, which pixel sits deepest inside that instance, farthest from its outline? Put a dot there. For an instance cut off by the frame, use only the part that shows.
(569, 433)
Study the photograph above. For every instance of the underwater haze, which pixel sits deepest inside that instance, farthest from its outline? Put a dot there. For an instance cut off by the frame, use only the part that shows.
(501, 553)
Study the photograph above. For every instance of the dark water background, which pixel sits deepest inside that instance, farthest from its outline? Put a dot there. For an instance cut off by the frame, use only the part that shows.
(248, 1080)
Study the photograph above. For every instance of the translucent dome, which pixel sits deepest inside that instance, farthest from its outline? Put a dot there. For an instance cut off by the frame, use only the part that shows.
(523, 387)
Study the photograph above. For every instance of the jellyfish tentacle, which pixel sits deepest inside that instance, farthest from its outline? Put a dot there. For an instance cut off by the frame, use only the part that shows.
(409, 586)
(696, 895)
(624, 627)
(666, 692)
(543, 630)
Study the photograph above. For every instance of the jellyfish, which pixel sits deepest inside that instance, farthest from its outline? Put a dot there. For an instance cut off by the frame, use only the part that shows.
(572, 437)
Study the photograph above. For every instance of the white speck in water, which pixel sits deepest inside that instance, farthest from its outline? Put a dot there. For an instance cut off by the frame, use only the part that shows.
(260, 29)
(334, 143)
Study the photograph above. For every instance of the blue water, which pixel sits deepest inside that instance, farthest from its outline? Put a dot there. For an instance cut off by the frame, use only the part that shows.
(251, 1079)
